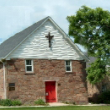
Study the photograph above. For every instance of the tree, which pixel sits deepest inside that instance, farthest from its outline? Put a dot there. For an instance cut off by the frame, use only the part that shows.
(91, 29)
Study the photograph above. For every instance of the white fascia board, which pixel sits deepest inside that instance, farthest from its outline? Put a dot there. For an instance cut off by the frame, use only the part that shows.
(67, 38)
(6, 57)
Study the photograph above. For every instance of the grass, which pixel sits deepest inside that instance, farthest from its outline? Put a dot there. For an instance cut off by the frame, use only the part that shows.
(62, 108)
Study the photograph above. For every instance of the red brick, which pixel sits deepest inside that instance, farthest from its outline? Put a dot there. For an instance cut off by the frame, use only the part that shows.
(32, 87)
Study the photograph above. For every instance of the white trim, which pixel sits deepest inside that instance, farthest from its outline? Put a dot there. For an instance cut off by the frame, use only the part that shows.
(24, 40)
(68, 65)
(4, 73)
(66, 37)
(77, 49)
(29, 65)
(42, 58)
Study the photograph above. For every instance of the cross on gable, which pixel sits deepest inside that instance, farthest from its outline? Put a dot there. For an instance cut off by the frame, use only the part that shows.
(49, 38)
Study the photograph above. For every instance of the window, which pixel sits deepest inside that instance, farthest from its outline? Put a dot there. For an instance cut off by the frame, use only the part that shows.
(68, 66)
(108, 68)
(29, 65)
(11, 86)
(104, 87)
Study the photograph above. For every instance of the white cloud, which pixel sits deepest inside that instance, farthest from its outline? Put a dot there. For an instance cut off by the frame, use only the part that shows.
(16, 15)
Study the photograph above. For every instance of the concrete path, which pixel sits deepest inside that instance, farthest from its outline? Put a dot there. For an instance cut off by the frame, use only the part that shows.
(59, 104)
(55, 105)
(89, 104)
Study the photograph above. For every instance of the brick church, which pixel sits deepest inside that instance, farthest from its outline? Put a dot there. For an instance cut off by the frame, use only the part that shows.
(41, 62)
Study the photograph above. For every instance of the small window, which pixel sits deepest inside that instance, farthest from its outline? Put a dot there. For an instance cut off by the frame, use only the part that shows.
(108, 68)
(104, 87)
(68, 66)
(29, 65)
(11, 86)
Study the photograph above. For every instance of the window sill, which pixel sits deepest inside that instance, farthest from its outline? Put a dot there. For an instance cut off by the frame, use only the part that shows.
(29, 73)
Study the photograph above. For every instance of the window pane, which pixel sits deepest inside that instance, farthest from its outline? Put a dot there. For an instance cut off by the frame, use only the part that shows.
(67, 62)
(28, 62)
(11, 88)
(68, 69)
(11, 84)
(29, 68)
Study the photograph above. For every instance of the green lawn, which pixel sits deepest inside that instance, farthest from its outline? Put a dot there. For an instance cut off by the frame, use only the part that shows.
(62, 108)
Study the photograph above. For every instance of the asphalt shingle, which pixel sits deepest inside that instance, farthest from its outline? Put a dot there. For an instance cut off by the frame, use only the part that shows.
(8, 45)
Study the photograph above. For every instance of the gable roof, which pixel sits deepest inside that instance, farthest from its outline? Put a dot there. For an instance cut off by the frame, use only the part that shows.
(9, 45)
(91, 59)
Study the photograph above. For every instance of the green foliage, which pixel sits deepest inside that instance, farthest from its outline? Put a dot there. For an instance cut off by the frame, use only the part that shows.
(96, 71)
(40, 102)
(16, 102)
(8, 102)
(104, 97)
(91, 29)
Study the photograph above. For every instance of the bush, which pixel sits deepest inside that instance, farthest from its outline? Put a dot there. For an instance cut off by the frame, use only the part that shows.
(16, 102)
(104, 97)
(40, 102)
(8, 102)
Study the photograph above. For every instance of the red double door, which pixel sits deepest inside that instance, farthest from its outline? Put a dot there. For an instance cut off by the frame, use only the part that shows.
(50, 90)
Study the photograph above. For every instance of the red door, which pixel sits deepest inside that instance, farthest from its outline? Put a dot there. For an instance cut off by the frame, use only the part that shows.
(50, 91)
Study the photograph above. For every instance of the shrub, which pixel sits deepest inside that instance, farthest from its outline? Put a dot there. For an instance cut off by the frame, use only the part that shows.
(104, 97)
(8, 102)
(16, 102)
(40, 102)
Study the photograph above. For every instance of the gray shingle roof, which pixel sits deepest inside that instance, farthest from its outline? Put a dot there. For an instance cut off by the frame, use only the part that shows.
(8, 45)
(91, 60)
(13, 42)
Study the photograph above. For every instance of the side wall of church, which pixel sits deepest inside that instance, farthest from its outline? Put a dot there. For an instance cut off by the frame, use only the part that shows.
(70, 86)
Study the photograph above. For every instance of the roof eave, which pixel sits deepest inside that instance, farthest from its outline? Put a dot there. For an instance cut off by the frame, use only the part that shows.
(24, 40)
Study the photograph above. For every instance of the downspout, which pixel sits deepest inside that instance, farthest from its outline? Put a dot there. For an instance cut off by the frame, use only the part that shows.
(4, 74)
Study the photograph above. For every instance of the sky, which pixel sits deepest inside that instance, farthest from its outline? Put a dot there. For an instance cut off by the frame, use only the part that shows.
(16, 15)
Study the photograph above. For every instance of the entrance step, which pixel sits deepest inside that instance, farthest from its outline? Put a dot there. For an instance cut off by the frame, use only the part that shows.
(58, 104)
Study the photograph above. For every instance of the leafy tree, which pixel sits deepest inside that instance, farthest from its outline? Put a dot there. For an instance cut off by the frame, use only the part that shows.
(96, 72)
(91, 29)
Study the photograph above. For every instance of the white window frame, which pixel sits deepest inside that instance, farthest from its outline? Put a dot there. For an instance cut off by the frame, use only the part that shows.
(29, 65)
(107, 67)
(69, 66)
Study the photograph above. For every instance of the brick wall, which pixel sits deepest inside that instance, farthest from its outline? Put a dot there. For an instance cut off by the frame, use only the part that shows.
(71, 87)
(1, 82)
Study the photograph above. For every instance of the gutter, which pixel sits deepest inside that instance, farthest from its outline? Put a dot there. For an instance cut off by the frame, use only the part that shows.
(4, 74)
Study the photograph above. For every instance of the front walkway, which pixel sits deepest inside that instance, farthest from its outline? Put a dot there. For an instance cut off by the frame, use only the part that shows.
(89, 104)
(54, 105)
(59, 104)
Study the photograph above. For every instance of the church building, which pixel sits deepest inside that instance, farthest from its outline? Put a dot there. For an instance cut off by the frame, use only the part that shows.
(42, 62)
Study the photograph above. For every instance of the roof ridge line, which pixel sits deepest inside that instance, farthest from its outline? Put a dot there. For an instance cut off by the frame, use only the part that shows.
(24, 29)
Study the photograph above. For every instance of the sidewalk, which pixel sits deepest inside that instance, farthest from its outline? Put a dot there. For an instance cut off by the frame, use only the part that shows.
(59, 104)
(55, 105)
(89, 104)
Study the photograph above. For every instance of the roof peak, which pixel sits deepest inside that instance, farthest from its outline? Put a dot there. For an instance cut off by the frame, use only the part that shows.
(12, 42)
(9, 45)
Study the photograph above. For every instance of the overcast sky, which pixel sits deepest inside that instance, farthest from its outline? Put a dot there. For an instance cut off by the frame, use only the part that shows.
(16, 15)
